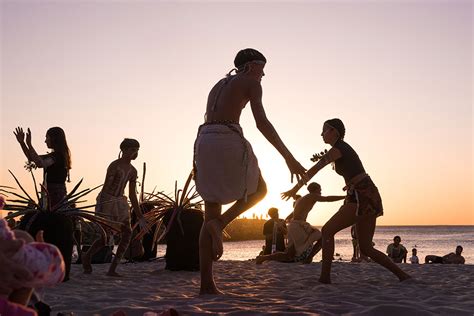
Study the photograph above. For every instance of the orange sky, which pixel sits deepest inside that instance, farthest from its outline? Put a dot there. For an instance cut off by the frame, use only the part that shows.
(399, 74)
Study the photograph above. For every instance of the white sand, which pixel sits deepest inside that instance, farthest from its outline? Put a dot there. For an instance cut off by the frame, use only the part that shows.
(278, 288)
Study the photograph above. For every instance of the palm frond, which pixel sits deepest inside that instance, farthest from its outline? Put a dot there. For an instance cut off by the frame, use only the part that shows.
(21, 187)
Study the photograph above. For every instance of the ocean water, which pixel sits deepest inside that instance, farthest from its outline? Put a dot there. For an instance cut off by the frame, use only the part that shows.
(429, 240)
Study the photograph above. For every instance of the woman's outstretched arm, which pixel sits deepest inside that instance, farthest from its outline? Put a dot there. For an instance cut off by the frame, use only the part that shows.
(332, 155)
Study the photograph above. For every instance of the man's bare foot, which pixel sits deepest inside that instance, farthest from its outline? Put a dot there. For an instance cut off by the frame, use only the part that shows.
(86, 263)
(113, 274)
(214, 227)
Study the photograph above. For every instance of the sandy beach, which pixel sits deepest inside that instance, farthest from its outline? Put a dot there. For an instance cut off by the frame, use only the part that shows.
(271, 288)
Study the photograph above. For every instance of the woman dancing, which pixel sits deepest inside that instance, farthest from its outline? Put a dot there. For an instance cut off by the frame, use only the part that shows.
(362, 205)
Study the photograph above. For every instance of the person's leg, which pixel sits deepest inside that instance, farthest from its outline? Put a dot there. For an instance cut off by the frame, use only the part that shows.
(208, 286)
(216, 225)
(433, 259)
(345, 217)
(276, 256)
(126, 234)
(316, 248)
(78, 241)
(365, 232)
(282, 256)
(86, 257)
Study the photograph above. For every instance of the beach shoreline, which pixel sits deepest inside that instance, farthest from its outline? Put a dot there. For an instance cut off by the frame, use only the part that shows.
(270, 288)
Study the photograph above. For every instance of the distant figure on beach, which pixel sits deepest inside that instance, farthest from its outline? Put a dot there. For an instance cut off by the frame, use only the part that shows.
(113, 204)
(414, 258)
(396, 251)
(301, 234)
(56, 165)
(226, 168)
(450, 258)
(357, 256)
(274, 230)
(362, 204)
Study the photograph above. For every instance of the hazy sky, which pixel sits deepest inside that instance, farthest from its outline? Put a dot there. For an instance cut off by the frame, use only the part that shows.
(399, 74)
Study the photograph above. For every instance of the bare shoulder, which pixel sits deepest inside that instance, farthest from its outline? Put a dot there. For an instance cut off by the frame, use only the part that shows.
(113, 165)
(133, 173)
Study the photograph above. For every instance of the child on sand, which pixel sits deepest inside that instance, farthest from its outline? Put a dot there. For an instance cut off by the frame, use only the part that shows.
(112, 203)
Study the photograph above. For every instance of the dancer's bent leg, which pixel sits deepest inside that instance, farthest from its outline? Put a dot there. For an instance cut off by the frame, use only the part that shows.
(210, 238)
(86, 257)
(344, 218)
(216, 225)
(365, 231)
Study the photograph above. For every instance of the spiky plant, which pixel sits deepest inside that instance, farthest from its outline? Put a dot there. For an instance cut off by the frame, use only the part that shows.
(185, 199)
(24, 204)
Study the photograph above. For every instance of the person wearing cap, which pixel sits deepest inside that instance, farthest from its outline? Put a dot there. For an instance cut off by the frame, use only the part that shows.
(225, 167)
(362, 205)
(113, 204)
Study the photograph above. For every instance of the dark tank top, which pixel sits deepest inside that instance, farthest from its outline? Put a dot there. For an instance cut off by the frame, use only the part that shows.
(57, 172)
(349, 165)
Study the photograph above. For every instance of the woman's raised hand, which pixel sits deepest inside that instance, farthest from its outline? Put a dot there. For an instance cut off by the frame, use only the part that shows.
(19, 134)
(28, 137)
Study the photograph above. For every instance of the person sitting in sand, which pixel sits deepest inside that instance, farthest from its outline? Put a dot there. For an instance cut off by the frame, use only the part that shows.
(113, 204)
(295, 199)
(414, 257)
(301, 235)
(362, 205)
(274, 230)
(226, 169)
(396, 251)
(450, 258)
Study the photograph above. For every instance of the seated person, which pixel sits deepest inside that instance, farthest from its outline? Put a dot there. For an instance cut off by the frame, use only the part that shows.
(396, 251)
(301, 235)
(414, 257)
(451, 258)
(274, 230)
